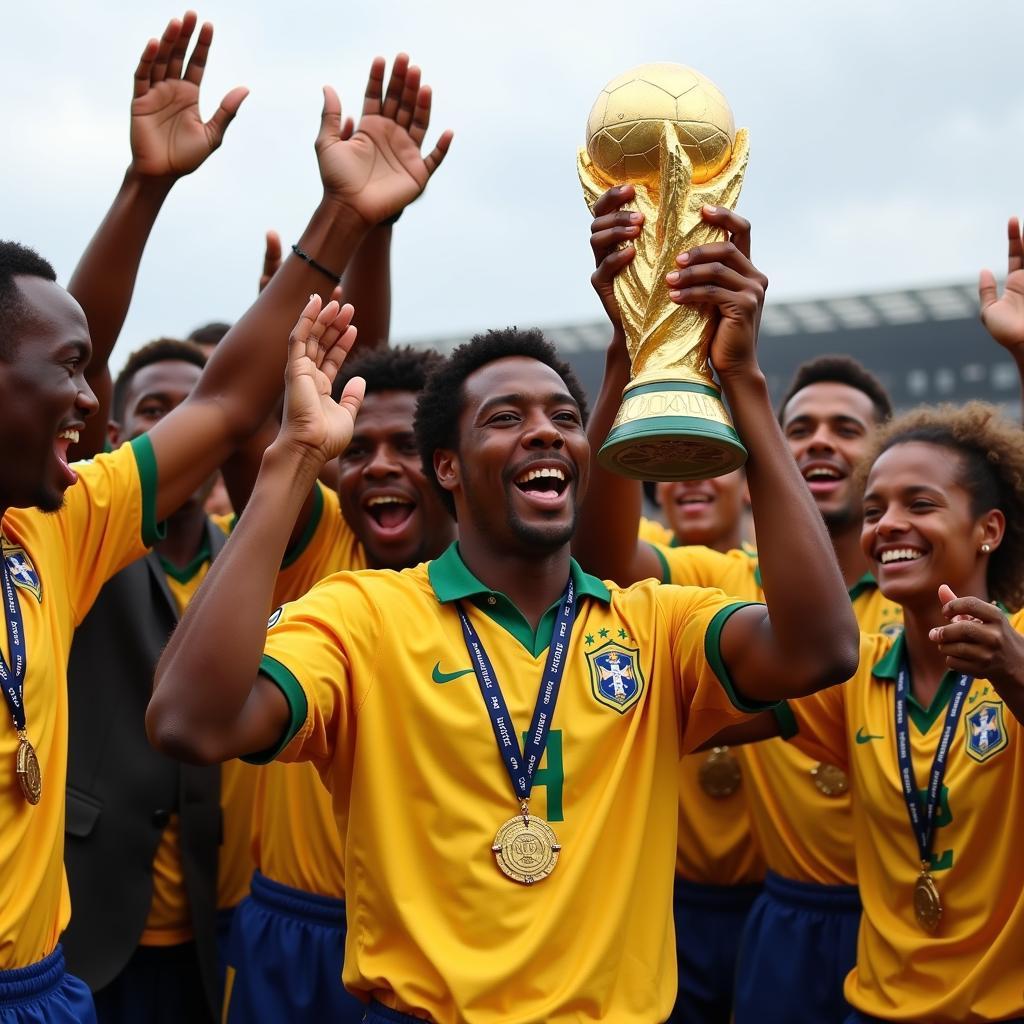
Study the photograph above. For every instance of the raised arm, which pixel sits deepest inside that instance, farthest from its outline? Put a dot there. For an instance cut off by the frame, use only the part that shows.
(1003, 316)
(808, 639)
(209, 703)
(169, 139)
(606, 541)
(366, 179)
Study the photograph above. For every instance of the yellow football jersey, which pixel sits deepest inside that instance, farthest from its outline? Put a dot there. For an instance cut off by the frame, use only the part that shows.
(654, 532)
(295, 835)
(385, 704)
(804, 833)
(58, 563)
(972, 968)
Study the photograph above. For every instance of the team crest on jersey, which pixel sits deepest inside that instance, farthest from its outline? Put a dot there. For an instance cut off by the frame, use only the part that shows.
(615, 676)
(23, 572)
(986, 730)
(274, 616)
(891, 629)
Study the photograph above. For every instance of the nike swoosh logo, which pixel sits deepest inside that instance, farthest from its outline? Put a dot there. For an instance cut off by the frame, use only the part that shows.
(863, 737)
(446, 677)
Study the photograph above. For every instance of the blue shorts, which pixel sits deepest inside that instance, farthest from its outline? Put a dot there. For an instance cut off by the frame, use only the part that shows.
(799, 944)
(44, 993)
(709, 926)
(285, 957)
(862, 1018)
(376, 1013)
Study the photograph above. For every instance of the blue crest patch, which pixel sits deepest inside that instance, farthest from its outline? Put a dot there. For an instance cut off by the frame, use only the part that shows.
(986, 730)
(23, 572)
(615, 675)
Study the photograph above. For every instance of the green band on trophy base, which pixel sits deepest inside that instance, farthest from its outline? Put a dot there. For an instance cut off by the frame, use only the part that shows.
(672, 430)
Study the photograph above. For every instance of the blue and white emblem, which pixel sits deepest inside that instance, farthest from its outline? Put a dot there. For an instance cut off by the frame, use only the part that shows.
(986, 730)
(615, 676)
(23, 572)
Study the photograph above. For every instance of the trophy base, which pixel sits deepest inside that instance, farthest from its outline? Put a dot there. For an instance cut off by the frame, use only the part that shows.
(672, 430)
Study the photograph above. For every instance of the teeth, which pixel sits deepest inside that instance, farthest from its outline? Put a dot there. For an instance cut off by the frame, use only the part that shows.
(821, 471)
(388, 499)
(899, 555)
(538, 474)
(71, 435)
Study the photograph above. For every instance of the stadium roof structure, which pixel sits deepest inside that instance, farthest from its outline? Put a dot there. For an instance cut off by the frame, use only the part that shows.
(925, 344)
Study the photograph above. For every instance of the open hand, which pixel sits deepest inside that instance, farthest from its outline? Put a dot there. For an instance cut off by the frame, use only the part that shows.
(611, 233)
(313, 422)
(168, 136)
(380, 170)
(720, 275)
(1003, 316)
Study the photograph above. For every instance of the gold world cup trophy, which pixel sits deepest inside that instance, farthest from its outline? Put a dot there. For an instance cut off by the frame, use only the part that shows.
(668, 131)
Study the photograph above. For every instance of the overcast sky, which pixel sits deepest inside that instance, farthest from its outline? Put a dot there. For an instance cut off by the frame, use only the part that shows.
(887, 142)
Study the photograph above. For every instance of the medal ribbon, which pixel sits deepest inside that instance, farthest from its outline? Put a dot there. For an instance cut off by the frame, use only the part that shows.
(922, 820)
(13, 676)
(521, 765)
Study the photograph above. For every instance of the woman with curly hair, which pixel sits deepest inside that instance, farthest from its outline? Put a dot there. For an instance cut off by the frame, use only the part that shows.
(929, 730)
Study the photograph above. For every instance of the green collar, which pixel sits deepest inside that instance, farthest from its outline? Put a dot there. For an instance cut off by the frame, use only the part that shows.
(187, 572)
(866, 582)
(888, 667)
(452, 581)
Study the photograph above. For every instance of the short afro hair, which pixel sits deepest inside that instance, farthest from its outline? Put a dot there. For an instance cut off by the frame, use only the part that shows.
(163, 350)
(209, 334)
(402, 368)
(440, 404)
(840, 370)
(991, 450)
(17, 260)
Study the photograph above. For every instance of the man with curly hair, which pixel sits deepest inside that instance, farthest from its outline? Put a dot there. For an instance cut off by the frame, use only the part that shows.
(471, 872)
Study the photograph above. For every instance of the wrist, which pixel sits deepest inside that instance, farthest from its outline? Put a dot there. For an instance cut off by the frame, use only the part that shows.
(149, 185)
(291, 464)
(342, 214)
(748, 381)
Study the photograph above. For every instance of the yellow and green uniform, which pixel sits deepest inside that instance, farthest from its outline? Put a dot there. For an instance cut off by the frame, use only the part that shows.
(386, 706)
(58, 562)
(972, 969)
(654, 532)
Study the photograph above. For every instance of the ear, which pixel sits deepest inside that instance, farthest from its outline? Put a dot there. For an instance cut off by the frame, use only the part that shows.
(990, 529)
(446, 469)
(113, 433)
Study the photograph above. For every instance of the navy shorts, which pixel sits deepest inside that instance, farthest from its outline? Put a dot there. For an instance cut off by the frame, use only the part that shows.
(285, 957)
(379, 1014)
(863, 1018)
(44, 993)
(799, 944)
(709, 927)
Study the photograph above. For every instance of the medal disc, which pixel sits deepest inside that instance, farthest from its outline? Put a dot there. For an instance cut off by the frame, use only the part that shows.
(526, 849)
(719, 775)
(829, 779)
(30, 778)
(927, 903)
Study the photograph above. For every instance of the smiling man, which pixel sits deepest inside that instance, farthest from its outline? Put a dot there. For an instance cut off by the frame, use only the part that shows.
(470, 871)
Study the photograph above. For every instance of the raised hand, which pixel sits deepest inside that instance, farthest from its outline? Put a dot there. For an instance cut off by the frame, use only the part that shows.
(168, 136)
(380, 170)
(720, 275)
(271, 259)
(611, 234)
(1003, 316)
(313, 422)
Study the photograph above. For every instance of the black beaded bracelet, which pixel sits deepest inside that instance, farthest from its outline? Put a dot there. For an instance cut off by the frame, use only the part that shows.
(336, 278)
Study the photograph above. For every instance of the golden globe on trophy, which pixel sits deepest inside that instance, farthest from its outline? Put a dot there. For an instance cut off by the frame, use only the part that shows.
(668, 131)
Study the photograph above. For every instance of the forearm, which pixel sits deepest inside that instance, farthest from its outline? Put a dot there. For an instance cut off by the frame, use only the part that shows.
(104, 280)
(206, 676)
(813, 629)
(606, 542)
(367, 285)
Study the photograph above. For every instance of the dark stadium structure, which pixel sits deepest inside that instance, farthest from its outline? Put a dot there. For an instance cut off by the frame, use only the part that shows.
(925, 344)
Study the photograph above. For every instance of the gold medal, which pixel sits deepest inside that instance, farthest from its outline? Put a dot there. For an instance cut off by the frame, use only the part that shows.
(927, 902)
(719, 775)
(829, 779)
(526, 848)
(30, 778)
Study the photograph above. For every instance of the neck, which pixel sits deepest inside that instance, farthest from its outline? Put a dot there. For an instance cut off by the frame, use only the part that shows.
(853, 563)
(729, 542)
(184, 538)
(532, 582)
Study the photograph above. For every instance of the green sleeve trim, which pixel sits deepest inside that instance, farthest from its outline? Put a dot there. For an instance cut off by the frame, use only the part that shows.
(282, 676)
(145, 459)
(666, 572)
(713, 653)
(783, 713)
(295, 552)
